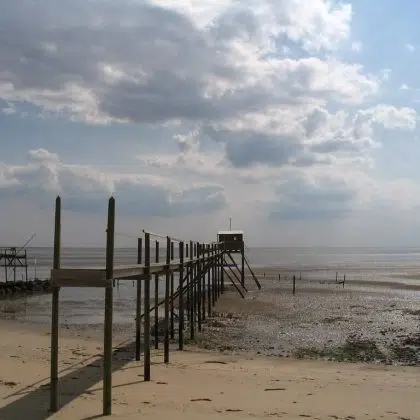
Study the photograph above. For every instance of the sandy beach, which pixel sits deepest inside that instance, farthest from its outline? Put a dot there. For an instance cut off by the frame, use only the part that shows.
(196, 384)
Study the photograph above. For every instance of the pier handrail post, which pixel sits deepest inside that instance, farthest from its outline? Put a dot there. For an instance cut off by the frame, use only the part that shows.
(181, 297)
(167, 285)
(138, 301)
(54, 397)
(107, 380)
(147, 307)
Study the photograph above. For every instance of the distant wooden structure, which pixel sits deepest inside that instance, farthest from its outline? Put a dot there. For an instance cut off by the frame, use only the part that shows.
(16, 260)
(232, 242)
(200, 267)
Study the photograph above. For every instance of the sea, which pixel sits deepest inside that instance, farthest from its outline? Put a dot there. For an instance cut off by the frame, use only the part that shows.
(80, 306)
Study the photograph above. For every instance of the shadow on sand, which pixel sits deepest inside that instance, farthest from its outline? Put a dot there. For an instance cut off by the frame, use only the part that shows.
(33, 403)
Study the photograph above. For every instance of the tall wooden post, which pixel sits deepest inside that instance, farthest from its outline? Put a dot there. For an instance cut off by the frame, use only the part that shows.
(213, 278)
(190, 286)
(54, 402)
(222, 272)
(138, 301)
(181, 297)
(172, 296)
(107, 388)
(210, 297)
(167, 285)
(243, 266)
(200, 289)
(193, 297)
(147, 307)
(156, 329)
(216, 270)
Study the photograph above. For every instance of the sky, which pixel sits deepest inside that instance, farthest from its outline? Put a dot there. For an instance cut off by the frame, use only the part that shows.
(298, 119)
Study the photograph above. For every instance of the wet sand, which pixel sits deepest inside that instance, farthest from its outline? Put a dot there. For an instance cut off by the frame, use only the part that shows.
(195, 385)
(369, 322)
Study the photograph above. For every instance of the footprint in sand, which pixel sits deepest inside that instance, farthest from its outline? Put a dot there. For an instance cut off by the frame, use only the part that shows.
(10, 384)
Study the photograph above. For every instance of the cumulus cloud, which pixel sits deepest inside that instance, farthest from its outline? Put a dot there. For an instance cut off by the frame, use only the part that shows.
(153, 62)
(255, 90)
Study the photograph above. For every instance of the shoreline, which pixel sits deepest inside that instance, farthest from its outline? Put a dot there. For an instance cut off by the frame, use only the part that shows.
(197, 384)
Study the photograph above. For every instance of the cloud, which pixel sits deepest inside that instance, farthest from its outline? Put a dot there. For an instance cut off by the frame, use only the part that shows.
(410, 47)
(153, 62)
(391, 117)
(85, 189)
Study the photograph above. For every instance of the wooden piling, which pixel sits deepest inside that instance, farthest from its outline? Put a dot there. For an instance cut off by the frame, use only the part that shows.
(191, 291)
(147, 307)
(209, 287)
(200, 289)
(172, 297)
(213, 276)
(138, 301)
(344, 280)
(222, 271)
(167, 285)
(156, 328)
(203, 273)
(107, 380)
(294, 284)
(54, 397)
(181, 297)
(193, 295)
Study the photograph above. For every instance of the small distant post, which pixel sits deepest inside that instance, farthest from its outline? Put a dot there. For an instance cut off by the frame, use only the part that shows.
(294, 284)
(344, 280)
(336, 276)
(147, 307)
(54, 311)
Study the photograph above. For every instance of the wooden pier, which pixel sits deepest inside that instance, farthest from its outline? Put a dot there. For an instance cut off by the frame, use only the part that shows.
(202, 268)
(16, 260)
